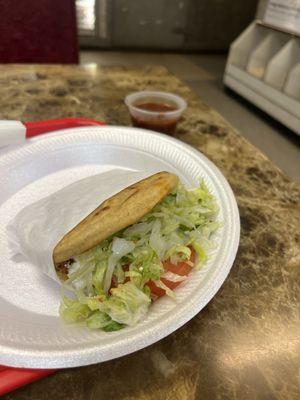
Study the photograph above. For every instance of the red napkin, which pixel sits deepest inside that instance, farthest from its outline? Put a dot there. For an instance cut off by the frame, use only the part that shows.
(13, 378)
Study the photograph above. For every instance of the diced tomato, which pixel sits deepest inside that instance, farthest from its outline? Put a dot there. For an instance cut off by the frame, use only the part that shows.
(113, 284)
(170, 284)
(181, 268)
(155, 290)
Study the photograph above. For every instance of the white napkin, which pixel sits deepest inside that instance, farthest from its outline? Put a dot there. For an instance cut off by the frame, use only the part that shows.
(36, 229)
(11, 132)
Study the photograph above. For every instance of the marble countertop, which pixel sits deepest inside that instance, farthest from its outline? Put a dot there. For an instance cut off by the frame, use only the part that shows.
(245, 344)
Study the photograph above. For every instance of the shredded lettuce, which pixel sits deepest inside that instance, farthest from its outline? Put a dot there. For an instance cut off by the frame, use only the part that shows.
(98, 276)
(110, 281)
(127, 304)
(73, 311)
(120, 247)
(156, 240)
(178, 253)
(100, 320)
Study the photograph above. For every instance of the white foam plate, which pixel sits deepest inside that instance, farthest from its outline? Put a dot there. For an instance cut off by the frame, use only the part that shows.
(31, 332)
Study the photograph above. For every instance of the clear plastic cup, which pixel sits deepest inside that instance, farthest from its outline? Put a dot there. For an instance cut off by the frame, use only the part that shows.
(158, 111)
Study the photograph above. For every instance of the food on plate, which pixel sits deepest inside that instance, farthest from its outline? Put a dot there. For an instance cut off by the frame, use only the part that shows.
(135, 247)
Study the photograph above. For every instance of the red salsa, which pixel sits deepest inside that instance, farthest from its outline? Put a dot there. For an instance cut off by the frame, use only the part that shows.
(157, 123)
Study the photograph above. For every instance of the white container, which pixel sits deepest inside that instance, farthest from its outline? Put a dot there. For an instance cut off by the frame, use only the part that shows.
(163, 115)
(133, 99)
(265, 50)
(292, 86)
(281, 64)
(243, 46)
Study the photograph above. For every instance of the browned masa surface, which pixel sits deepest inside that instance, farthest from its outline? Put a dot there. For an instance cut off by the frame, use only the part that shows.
(119, 211)
(245, 344)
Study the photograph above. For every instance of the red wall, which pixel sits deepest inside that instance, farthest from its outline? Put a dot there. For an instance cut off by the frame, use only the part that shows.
(38, 31)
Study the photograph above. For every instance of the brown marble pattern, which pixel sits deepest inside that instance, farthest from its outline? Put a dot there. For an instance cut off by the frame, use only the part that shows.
(246, 343)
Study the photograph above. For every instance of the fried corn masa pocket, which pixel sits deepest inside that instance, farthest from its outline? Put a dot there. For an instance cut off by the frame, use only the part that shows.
(118, 212)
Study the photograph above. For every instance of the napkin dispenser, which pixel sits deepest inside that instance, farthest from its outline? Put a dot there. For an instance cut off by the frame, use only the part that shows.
(264, 67)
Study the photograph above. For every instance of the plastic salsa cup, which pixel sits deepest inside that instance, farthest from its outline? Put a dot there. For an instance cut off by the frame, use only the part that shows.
(158, 111)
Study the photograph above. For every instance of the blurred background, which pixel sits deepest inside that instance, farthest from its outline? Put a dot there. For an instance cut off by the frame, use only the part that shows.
(189, 37)
(178, 25)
